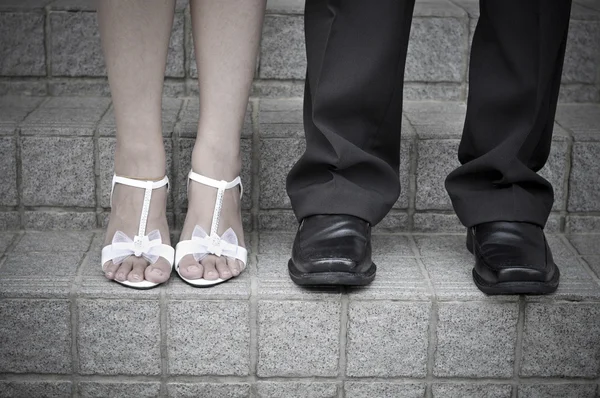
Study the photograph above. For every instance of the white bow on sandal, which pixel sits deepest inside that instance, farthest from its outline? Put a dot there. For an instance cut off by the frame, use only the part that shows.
(148, 246)
(203, 244)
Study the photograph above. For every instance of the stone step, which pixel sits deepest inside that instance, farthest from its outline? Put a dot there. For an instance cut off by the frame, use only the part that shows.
(56, 161)
(53, 47)
(420, 330)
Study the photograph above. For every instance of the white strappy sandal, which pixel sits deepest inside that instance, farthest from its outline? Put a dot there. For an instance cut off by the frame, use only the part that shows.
(202, 244)
(148, 246)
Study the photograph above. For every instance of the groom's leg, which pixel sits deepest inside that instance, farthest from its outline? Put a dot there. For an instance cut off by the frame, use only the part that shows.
(356, 51)
(515, 70)
(516, 65)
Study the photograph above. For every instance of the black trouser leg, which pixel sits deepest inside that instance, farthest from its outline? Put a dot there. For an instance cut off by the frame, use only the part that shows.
(356, 51)
(516, 64)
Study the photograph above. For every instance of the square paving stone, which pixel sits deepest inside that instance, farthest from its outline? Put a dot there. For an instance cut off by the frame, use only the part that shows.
(476, 339)
(275, 243)
(436, 50)
(471, 391)
(119, 337)
(393, 222)
(58, 171)
(13, 109)
(170, 110)
(436, 159)
(387, 339)
(557, 391)
(106, 154)
(398, 278)
(434, 245)
(36, 336)
(431, 222)
(208, 390)
(65, 116)
(586, 244)
(185, 163)
(582, 56)
(27, 389)
(291, 389)
(308, 329)
(277, 220)
(277, 156)
(93, 389)
(34, 241)
(274, 281)
(281, 118)
(8, 177)
(208, 338)
(282, 53)
(22, 47)
(392, 245)
(237, 288)
(38, 274)
(355, 389)
(561, 340)
(584, 192)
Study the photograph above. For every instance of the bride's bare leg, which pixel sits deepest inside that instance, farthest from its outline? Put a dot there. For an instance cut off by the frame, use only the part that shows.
(226, 39)
(135, 38)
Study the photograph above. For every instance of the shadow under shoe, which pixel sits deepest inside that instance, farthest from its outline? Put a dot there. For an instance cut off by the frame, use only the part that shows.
(332, 250)
(512, 258)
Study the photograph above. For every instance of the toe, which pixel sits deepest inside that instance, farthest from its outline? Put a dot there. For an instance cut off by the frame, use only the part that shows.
(233, 266)
(158, 272)
(210, 271)
(137, 272)
(124, 269)
(223, 269)
(110, 270)
(190, 268)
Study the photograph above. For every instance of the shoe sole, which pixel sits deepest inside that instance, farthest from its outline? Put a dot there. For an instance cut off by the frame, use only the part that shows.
(331, 278)
(516, 287)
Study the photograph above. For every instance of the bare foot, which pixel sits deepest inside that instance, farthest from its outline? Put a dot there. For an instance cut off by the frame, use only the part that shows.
(201, 204)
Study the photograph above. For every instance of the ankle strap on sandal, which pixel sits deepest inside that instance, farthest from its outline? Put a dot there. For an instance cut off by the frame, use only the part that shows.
(149, 186)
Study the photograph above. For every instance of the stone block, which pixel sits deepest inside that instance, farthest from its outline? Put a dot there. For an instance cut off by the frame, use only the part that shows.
(437, 50)
(98, 389)
(190, 113)
(582, 224)
(561, 340)
(582, 56)
(586, 244)
(555, 171)
(23, 5)
(26, 389)
(104, 349)
(194, 323)
(36, 336)
(8, 177)
(176, 51)
(275, 242)
(282, 53)
(24, 275)
(170, 110)
(237, 288)
(476, 339)
(22, 47)
(407, 150)
(448, 246)
(6, 239)
(281, 118)
(208, 390)
(58, 171)
(436, 159)
(448, 390)
(62, 116)
(436, 120)
(23, 87)
(557, 391)
(393, 222)
(72, 5)
(433, 91)
(356, 389)
(387, 339)
(594, 263)
(185, 159)
(277, 156)
(274, 281)
(392, 245)
(9, 220)
(277, 220)
(275, 89)
(431, 222)
(584, 192)
(582, 120)
(59, 220)
(106, 150)
(308, 329)
(398, 278)
(13, 109)
(437, 8)
(587, 93)
(35, 241)
(291, 389)
(285, 7)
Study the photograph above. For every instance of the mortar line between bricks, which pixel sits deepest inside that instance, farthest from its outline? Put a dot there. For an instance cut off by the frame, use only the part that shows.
(518, 347)
(164, 324)
(97, 185)
(412, 176)
(255, 166)
(253, 316)
(47, 46)
(343, 335)
(433, 319)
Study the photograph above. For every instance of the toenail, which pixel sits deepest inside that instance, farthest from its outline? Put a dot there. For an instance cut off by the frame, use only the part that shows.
(157, 272)
(193, 268)
(136, 277)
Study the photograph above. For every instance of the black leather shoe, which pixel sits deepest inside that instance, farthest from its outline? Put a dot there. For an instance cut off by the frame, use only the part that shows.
(332, 250)
(512, 258)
